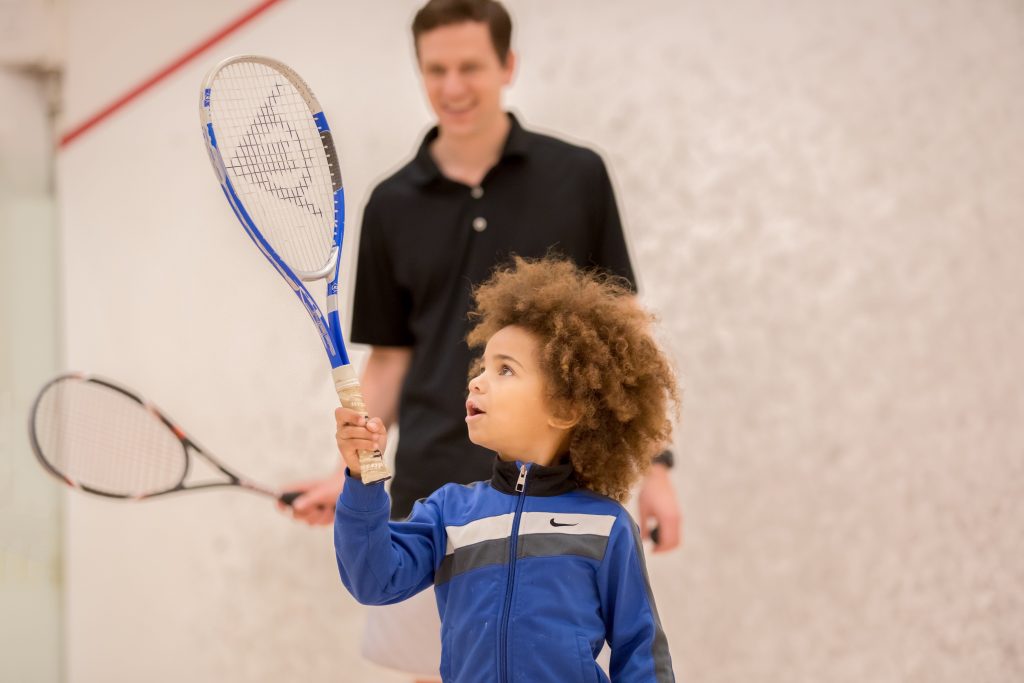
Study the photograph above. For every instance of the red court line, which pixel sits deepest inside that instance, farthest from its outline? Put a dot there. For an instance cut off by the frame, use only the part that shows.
(163, 73)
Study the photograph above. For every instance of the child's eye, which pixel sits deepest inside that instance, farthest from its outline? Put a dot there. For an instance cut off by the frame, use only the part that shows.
(505, 370)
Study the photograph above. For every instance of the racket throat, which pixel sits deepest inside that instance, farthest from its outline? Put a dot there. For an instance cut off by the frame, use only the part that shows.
(203, 472)
(324, 272)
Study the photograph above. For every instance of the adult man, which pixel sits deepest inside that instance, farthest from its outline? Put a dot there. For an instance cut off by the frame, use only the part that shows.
(480, 189)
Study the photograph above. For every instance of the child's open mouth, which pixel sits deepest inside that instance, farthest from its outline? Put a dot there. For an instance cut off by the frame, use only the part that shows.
(472, 410)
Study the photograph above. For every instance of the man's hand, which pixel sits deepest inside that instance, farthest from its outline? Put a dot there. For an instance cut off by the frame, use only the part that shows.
(657, 502)
(315, 506)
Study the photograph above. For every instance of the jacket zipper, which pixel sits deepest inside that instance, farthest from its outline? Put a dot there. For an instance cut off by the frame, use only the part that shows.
(503, 635)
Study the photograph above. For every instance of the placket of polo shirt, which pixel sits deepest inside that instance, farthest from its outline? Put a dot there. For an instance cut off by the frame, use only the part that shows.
(479, 223)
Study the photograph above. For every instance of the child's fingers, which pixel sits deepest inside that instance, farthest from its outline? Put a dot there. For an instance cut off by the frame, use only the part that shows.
(355, 433)
(345, 416)
(353, 446)
(358, 445)
(361, 429)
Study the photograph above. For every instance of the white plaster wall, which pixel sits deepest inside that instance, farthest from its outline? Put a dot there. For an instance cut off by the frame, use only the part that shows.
(824, 202)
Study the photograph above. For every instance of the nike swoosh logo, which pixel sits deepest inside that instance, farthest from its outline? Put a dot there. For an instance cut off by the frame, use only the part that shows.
(554, 523)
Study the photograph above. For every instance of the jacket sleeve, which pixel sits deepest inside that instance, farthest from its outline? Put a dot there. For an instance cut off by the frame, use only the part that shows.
(382, 562)
(633, 629)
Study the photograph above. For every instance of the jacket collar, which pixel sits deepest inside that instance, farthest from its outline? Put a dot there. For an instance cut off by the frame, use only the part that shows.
(551, 480)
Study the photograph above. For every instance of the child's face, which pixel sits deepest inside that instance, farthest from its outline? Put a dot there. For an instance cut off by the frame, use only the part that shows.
(506, 410)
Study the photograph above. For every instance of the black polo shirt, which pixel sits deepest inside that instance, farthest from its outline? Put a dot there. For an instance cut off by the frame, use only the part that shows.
(427, 240)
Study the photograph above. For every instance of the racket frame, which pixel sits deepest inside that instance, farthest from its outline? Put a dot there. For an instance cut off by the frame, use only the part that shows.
(328, 328)
(189, 447)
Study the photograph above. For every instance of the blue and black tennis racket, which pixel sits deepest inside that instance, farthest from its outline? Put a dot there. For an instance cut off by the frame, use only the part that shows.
(274, 156)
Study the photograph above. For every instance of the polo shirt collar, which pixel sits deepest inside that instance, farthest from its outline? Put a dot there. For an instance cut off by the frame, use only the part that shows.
(426, 169)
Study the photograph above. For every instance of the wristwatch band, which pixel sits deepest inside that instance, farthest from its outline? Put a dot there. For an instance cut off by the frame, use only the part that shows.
(666, 458)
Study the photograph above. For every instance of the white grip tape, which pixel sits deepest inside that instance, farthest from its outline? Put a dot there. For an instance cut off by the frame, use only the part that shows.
(371, 463)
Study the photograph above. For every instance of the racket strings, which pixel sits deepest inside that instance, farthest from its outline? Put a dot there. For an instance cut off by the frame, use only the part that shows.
(100, 438)
(276, 159)
(261, 157)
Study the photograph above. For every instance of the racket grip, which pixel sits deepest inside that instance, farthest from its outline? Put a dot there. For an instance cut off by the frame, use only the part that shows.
(371, 463)
(289, 497)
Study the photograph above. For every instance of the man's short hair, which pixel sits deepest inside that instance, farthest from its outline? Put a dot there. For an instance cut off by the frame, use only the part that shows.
(438, 13)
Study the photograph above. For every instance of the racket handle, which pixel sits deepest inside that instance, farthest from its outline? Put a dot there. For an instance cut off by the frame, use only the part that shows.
(289, 497)
(371, 463)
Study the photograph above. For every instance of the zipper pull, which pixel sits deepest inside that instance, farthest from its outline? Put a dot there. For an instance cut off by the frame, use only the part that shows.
(521, 484)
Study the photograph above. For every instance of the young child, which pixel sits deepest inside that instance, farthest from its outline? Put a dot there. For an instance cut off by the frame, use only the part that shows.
(537, 568)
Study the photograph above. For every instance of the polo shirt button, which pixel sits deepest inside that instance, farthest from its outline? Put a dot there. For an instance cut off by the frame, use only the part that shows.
(477, 192)
(479, 224)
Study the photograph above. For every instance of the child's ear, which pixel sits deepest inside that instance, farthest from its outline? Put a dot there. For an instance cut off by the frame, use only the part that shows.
(565, 418)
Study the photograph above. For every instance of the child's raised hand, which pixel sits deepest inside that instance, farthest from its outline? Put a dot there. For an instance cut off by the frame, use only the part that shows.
(355, 433)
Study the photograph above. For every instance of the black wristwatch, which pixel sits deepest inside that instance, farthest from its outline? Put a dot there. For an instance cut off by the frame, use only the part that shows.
(665, 458)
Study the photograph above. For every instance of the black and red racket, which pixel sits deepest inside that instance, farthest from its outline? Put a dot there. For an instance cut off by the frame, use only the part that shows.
(99, 437)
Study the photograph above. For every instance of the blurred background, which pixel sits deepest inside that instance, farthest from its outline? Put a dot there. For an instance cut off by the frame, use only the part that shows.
(825, 202)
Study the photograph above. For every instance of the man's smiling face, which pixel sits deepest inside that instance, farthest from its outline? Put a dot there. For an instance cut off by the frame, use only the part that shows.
(463, 76)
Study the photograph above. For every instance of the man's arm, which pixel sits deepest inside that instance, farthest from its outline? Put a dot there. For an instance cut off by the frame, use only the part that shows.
(657, 501)
(382, 381)
(382, 386)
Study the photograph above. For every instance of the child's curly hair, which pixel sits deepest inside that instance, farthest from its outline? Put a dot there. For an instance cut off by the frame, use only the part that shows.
(599, 358)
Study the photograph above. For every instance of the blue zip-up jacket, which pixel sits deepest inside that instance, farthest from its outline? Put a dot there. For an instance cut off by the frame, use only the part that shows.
(531, 574)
